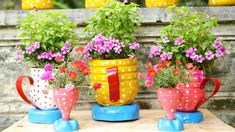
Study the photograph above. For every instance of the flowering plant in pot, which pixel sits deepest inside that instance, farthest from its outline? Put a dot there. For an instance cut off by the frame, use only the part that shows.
(111, 53)
(188, 39)
(65, 83)
(47, 39)
(165, 77)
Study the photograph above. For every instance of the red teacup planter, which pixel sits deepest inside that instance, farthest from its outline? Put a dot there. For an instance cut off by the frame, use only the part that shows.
(193, 96)
(169, 98)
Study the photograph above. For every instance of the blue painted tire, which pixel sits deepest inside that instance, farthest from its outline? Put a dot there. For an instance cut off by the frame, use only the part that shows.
(170, 125)
(66, 125)
(190, 117)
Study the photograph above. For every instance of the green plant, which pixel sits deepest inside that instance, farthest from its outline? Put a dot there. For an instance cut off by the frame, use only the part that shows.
(189, 38)
(46, 37)
(165, 75)
(115, 20)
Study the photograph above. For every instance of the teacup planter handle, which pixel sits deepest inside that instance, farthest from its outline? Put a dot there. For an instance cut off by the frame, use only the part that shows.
(20, 89)
(216, 88)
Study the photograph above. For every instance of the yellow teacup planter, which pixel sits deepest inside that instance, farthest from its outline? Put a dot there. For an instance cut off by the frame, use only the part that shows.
(127, 76)
(38, 4)
(221, 2)
(160, 3)
(95, 3)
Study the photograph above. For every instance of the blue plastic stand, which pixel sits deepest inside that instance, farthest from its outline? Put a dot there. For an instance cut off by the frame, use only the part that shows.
(190, 117)
(115, 113)
(170, 125)
(44, 116)
(66, 125)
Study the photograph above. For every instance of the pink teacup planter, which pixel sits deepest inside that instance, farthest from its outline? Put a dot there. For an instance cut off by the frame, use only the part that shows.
(169, 98)
(194, 95)
(66, 100)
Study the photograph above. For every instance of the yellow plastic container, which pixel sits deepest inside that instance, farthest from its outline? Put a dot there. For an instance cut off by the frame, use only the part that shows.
(127, 74)
(95, 3)
(38, 4)
(160, 3)
(221, 2)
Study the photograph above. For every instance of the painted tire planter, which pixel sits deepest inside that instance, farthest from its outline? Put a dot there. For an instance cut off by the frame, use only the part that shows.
(160, 3)
(221, 2)
(195, 95)
(41, 97)
(38, 4)
(126, 79)
(95, 3)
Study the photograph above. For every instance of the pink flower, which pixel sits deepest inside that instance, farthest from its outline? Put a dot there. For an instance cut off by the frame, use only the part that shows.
(169, 55)
(200, 59)
(48, 67)
(89, 46)
(191, 52)
(148, 83)
(165, 40)
(47, 76)
(156, 68)
(19, 55)
(217, 43)
(86, 54)
(209, 55)
(31, 48)
(163, 56)
(69, 87)
(59, 57)
(134, 46)
(155, 51)
(66, 48)
(220, 52)
(140, 75)
(108, 44)
(118, 47)
(179, 41)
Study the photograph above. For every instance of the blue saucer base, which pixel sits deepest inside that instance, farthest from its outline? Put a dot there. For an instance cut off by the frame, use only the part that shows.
(43, 116)
(170, 125)
(66, 125)
(115, 113)
(190, 117)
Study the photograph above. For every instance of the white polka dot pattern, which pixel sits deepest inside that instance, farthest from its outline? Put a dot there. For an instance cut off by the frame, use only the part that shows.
(39, 93)
(38, 4)
(160, 3)
(95, 3)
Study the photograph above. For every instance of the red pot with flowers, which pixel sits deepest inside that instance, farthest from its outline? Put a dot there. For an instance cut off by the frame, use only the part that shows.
(166, 78)
(65, 83)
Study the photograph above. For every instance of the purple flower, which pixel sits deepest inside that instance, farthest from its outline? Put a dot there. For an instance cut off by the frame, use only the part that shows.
(217, 43)
(69, 87)
(134, 46)
(220, 51)
(191, 52)
(46, 55)
(209, 55)
(19, 55)
(200, 59)
(48, 67)
(165, 40)
(89, 46)
(163, 56)
(47, 76)
(108, 44)
(155, 51)
(118, 47)
(169, 55)
(65, 48)
(86, 54)
(32, 47)
(179, 41)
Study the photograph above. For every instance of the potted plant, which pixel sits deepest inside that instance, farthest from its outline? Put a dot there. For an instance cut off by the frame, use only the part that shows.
(188, 39)
(111, 53)
(65, 84)
(95, 3)
(160, 3)
(165, 77)
(47, 39)
(37, 4)
(221, 2)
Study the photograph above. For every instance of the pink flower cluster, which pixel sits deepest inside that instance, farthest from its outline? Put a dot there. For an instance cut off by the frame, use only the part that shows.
(209, 55)
(103, 45)
(48, 75)
(32, 47)
(157, 51)
(57, 56)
